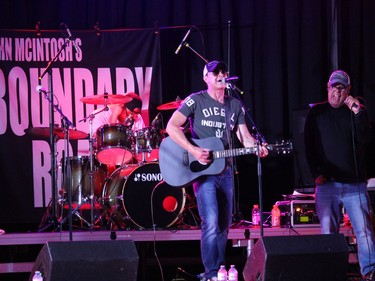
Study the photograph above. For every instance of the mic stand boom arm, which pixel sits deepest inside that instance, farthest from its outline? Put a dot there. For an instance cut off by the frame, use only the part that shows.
(187, 45)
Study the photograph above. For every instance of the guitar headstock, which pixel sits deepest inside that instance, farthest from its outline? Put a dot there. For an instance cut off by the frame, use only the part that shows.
(282, 147)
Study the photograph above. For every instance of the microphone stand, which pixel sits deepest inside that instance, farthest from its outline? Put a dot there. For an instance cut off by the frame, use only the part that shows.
(66, 123)
(260, 140)
(48, 70)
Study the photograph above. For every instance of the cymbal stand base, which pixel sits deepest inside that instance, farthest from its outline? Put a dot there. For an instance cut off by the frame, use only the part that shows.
(77, 214)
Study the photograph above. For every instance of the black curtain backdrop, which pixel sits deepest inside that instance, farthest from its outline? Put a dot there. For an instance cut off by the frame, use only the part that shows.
(281, 50)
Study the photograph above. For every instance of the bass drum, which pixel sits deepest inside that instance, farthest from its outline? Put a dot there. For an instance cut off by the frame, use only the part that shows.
(139, 193)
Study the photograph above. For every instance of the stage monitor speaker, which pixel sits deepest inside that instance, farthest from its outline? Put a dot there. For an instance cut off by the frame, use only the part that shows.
(88, 260)
(296, 258)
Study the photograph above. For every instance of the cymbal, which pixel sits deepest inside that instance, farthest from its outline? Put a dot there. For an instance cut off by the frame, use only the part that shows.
(169, 105)
(43, 132)
(106, 99)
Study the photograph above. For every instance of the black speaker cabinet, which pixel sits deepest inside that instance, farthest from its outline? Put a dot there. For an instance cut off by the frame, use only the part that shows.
(88, 260)
(296, 258)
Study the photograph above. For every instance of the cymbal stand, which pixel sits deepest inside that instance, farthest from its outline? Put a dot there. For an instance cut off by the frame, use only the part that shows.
(91, 157)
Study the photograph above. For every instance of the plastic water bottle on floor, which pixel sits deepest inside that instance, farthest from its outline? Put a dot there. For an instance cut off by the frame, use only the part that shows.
(222, 274)
(255, 215)
(37, 276)
(232, 273)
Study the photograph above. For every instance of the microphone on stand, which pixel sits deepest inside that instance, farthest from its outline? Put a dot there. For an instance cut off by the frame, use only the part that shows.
(229, 79)
(183, 41)
(41, 89)
(156, 120)
(129, 121)
(70, 37)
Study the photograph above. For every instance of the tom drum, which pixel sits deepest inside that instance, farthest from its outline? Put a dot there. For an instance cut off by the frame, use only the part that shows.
(147, 142)
(113, 144)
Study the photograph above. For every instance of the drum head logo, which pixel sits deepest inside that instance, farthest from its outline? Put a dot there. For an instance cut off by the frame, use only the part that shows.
(147, 177)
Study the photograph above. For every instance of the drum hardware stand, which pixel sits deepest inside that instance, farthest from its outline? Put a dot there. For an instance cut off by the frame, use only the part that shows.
(114, 216)
(77, 214)
(91, 152)
(188, 209)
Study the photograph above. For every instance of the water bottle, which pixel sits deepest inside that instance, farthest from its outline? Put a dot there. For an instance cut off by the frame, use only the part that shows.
(232, 273)
(222, 274)
(37, 276)
(275, 216)
(255, 215)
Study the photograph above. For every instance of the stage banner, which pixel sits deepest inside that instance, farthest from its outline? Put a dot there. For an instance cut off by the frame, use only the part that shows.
(113, 62)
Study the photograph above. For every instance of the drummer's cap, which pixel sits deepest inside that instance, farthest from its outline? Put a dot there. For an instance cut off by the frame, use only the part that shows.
(215, 66)
(135, 104)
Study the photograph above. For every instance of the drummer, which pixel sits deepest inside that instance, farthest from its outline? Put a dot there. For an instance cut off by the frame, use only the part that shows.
(128, 114)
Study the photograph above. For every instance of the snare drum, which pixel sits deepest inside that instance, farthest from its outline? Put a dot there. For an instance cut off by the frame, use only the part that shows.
(113, 144)
(147, 142)
(135, 190)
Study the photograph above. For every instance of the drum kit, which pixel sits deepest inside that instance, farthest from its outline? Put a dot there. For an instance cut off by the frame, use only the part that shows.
(120, 183)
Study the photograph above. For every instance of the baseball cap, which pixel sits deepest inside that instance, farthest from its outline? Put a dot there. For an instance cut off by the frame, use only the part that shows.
(339, 77)
(214, 66)
(135, 104)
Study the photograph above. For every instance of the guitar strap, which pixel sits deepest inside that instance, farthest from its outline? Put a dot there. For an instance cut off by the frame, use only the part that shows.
(227, 121)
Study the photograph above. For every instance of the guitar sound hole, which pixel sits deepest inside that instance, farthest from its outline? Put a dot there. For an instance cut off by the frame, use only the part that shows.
(196, 166)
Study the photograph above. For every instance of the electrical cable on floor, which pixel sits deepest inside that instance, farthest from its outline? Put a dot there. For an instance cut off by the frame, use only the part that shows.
(154, 232)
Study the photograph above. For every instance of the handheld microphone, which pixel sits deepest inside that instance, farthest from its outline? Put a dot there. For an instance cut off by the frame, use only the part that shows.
(355, 105)
(40, 89)
(183, 41)
(229, 79)
(70, 37)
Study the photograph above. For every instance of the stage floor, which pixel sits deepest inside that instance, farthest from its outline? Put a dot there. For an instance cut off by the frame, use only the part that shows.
(183, 244)
(236, 234)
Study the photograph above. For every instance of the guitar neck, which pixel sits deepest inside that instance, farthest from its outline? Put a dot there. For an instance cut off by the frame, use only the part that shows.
(233, 152)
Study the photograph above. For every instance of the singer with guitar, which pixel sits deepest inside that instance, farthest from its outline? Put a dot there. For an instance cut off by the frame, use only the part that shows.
(209, 111)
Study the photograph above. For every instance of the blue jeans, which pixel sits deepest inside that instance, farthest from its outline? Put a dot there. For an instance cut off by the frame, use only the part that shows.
(353, 196)
(215, 201)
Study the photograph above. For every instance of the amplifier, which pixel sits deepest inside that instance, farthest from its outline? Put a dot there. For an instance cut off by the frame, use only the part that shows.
(298, 213)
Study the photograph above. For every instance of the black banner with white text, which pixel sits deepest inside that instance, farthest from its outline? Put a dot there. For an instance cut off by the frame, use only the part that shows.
(113, 62)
